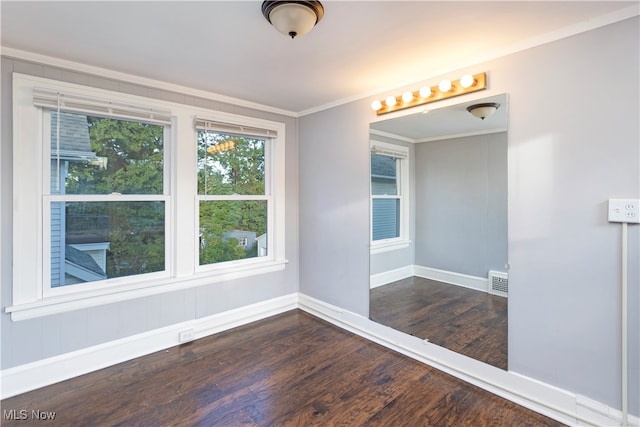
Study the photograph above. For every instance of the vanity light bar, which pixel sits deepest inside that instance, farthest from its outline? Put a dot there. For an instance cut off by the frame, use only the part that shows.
(445, 89)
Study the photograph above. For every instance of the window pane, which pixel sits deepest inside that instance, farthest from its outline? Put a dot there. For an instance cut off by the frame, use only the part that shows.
(383, 175)
(230, 164)
(386, 218)
(93, 241)
(231, 230)
(103, 156)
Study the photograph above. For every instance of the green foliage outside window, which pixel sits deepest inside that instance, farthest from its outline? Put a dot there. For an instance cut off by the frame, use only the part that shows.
(237, 167)
(131, 161)
(134, 159)
(134, 165)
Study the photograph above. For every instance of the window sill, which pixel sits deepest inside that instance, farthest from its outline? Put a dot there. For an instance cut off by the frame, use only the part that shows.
(55, 305)
(377, 248)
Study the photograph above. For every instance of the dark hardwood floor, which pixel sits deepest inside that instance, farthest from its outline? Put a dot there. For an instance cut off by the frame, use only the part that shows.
(288, 370)
(463, 320)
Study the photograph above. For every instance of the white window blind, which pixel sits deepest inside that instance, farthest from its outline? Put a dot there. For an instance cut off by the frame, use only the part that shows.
(70, 102)
(383, 151)
(230, 128)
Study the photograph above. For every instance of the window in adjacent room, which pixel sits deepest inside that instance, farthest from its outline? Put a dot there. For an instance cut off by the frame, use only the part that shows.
(389, 191)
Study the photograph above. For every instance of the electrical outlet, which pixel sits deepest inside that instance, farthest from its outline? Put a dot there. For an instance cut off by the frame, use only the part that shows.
(624, 210)
(187, 335)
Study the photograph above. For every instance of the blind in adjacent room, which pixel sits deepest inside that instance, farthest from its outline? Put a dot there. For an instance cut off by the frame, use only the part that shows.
(383, 151)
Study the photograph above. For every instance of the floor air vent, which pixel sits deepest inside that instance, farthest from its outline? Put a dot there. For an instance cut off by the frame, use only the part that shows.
(498, 283)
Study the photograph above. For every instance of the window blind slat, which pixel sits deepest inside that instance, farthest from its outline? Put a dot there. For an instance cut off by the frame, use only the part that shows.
(388, 152)
(212, 126)
(385, 219)
(79, 104)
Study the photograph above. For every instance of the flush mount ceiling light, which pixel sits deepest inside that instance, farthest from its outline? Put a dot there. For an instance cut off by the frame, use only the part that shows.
(482, 111)
(293, 18)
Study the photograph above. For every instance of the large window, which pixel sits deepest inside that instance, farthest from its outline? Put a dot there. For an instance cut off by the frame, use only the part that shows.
(104, 191)
(389, 189)
(106, 203)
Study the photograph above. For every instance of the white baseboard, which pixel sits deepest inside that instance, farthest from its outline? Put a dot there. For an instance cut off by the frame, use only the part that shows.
(553, 402)
(383, 278)
(603, 414)
(464, 280)
(31, 376)
(453, 278)
(561, 405)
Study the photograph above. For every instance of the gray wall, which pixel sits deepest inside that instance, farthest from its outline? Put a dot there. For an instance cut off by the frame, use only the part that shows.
(461, 204)
(573, 144)
(31, 340)
(334, 206)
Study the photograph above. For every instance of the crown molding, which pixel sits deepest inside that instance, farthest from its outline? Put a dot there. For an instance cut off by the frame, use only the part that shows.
(562, 33)
(582, 27)
(135, 79)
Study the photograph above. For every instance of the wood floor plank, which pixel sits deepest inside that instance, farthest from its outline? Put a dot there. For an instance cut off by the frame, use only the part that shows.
(289, 370)
(463, 320)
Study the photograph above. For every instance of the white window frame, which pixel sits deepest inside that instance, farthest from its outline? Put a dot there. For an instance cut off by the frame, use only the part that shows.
(401, 153)
(30, 193)
(270, 159)
(47, 198)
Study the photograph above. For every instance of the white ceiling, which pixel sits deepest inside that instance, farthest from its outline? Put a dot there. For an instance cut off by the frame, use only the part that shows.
(454, 121)
(358, 49)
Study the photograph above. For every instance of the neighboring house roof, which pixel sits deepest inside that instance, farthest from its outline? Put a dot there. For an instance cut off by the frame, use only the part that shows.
(74, 136)
(383, 166)
(83, 260)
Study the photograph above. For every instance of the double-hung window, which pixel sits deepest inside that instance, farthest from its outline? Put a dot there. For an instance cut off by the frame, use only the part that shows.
(104, 185)
(97, 213)
(106, 199)
(389, 195)
(234, 192)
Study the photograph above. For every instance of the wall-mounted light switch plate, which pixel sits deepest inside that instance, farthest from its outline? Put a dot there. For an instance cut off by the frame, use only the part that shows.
(624, 210)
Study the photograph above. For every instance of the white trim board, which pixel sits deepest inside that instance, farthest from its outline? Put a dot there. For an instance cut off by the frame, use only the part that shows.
(79, 67)
(464, 280)
(31, 376)
(561, 405)
(390, 276)
(458, 279)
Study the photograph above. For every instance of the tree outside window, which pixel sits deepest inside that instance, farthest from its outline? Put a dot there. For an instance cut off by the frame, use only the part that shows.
(233, 201)
(112, 232)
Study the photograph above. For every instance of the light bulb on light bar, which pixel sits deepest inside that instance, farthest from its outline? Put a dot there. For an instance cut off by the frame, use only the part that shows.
(390, 101)
(444, 85)
(467, 81)
(425, 92)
